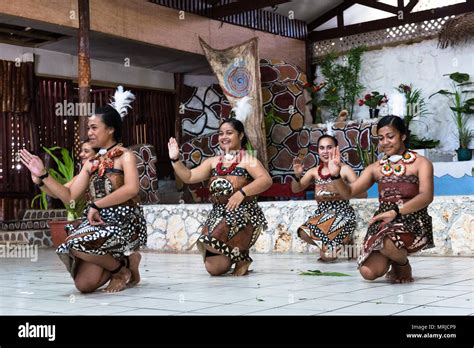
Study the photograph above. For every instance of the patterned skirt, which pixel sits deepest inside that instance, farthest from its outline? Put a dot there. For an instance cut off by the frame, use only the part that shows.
(331, 225)
(123, 231)
(413, 232)
(232, 233)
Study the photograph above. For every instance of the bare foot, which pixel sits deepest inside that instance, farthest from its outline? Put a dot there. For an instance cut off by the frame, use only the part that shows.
(119, 280)
(327, 256)
(392, 273)
(241, 268)
(403, 274)
(134, 263)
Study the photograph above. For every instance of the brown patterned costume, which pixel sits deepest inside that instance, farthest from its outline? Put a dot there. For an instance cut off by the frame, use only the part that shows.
(411, 231)
(124, 230)
(333, 222)
(232, 233)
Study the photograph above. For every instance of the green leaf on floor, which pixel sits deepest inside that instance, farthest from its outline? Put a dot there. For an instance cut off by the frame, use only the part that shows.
(317, 272)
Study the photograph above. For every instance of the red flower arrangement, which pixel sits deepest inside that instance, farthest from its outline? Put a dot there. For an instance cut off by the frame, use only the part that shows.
(373, 100)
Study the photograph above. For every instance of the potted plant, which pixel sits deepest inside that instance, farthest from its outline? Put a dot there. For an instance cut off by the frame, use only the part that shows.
(341, 82)
(373, 100)
(462, 108)
(64, 174)
(415, 109)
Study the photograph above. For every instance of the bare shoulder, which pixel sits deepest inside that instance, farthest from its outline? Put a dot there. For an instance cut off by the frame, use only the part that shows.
(249, 161)
(423, 163)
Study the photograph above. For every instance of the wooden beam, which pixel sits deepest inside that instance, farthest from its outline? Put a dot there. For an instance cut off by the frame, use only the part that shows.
(178, 98)
(84, 66)
(329, 15)
(28, 34)
(242, 6)
(410, 6)
(391, 22)
(340, 20)
(378, 6)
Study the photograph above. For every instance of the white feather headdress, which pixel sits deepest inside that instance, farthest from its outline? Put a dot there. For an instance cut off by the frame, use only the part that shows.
(243, 109)
(122, 100)
(329, 130)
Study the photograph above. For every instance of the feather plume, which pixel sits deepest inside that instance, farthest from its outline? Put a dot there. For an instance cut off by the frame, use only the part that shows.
(329, 130)
(243, 109)
(122, 100)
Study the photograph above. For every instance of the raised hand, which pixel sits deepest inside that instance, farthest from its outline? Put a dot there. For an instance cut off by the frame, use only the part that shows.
(385, 218)
(234, 201)
(298, 167)
(94, 218)
(33, 163)
(334, 164)
(173, 149)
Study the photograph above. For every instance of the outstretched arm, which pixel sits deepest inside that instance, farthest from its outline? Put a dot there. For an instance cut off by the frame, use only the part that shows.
(350, 177)
(362, 184)
(305, 181)
(188, 176)
(65, 194)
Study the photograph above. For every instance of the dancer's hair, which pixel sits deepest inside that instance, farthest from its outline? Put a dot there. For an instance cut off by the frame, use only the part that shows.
(239, 127)
(397, 123)
(329, 137)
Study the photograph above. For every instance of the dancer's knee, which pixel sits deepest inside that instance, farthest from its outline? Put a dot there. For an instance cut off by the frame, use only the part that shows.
(217, 267)
(367, 273)
(85, 285)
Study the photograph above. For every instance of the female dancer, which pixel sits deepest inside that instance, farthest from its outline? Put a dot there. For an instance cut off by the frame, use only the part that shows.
(113, 227)
(333, 223)
(236, 220)
(401, 225)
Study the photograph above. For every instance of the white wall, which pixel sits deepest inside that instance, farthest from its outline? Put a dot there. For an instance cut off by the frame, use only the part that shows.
(62, 65)
(423, 65)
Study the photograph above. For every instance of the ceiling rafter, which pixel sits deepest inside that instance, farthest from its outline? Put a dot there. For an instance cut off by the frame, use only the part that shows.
(391, 21)
(329, 15)
(378, 6)
(242, 6)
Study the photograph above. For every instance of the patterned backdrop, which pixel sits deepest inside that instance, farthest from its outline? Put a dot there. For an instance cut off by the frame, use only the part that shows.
(286, 138)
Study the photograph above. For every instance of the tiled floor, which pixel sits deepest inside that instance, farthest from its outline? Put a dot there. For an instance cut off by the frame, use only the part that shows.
(178, 285)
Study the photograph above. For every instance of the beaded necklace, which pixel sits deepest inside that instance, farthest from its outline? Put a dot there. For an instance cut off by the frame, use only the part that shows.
(398, 169)
(320, 172)
(229, 169)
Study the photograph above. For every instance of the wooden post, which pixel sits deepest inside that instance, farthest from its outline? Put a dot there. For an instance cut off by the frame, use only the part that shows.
(178, 94)
(84, 73)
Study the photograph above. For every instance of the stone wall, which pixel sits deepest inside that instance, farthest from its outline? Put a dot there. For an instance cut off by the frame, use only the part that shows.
(174, 228)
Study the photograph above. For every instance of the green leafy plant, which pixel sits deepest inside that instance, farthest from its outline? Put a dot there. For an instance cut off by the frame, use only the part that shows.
(342, 82)
(415, 107)
(270, 119)
(367, 155)
(373, 100)
(317, 272)
(64, 174)
(461, 106)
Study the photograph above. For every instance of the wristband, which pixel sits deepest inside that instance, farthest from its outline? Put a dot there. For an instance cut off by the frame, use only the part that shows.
(397, 210)
(44, 176)
(336, 177)
(243, 192)
(92, 205)
(175, 160)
